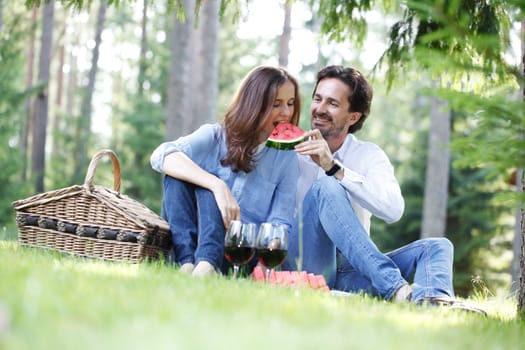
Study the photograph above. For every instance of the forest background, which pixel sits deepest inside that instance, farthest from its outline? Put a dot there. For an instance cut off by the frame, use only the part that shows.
(78, 76)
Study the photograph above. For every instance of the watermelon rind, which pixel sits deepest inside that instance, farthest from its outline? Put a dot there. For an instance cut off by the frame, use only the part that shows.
(287, 145)
(280, 136)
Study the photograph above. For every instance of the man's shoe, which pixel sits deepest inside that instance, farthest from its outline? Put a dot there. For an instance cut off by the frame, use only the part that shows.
(452, 304)
(436, 301)
(459, 305)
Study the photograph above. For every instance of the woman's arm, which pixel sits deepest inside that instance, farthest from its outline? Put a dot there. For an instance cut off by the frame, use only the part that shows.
(180, 166)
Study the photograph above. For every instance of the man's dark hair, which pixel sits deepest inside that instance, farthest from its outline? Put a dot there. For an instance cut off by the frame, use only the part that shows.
(360, 97)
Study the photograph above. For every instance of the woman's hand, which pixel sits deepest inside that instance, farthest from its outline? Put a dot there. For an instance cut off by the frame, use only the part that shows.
(179, 166)
(317, 148)
(226, 202)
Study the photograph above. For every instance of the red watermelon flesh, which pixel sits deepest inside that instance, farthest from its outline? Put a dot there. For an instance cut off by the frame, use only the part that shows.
(285, 136)
(294, 279)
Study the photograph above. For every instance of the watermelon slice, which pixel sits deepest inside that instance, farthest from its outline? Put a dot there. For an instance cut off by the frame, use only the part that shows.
(295, 279)
(285, 136)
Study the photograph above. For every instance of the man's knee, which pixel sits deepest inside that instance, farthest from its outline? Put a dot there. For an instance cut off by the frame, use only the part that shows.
(327, 188)
(442, 244)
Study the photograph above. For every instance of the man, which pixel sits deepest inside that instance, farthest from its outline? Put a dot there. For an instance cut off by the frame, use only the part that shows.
(342, 182)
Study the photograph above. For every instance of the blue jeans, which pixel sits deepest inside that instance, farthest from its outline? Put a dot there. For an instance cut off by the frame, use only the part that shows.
(195, 222)
(328, 239)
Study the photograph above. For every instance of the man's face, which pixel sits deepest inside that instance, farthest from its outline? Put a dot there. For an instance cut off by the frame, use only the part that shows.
(329, 109)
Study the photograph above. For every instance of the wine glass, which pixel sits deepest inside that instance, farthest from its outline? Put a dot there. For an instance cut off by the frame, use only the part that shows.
(239, 244)
(271, 246)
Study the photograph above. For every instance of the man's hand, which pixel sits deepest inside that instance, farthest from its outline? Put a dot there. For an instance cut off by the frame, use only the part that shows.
(317, 148)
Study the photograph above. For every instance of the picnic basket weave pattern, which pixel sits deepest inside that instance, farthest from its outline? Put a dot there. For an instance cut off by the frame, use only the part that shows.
(93, 221)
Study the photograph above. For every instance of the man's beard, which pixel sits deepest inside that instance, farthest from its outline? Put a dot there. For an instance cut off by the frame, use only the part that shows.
(332, 132)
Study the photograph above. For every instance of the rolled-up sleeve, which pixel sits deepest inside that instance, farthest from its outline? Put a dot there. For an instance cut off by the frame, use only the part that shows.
(200, 145)
(157, 157)
(376, 190)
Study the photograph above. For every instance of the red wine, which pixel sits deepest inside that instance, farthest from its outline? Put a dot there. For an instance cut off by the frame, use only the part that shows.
(239, 255)
(271, 257)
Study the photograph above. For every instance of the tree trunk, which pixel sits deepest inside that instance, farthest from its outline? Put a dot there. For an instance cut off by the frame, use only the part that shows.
(437, 172)
(29, 117)
(179, 107)
(521, 291)
(521, 253)
(143, 49)
(205, 101)
(72, 83)
(84, 130)
(516, 243)
(195, 67)
(55, 146)
(284, 47)
(139, 154)
(42, 100)
(60, 67)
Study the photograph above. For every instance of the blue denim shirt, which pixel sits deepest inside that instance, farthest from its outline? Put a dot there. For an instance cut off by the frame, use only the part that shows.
(266, 194)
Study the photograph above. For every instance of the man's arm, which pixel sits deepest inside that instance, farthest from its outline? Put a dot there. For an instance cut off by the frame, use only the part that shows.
(375, 188)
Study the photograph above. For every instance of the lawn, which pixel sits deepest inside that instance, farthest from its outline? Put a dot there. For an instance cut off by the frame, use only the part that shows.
(54, 301)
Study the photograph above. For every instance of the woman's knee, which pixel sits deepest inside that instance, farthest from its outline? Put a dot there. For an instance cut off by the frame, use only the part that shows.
(171, 184)
(204, 193)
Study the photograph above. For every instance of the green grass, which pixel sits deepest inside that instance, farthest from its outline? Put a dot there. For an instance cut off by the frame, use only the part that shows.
(54, 301)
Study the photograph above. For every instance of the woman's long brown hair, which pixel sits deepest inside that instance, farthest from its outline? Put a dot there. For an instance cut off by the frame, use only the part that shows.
(250, 108)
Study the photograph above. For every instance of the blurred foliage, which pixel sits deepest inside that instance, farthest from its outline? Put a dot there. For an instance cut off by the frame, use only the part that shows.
(473, 219)
(343, 20)
(143, 129)
(12, 98)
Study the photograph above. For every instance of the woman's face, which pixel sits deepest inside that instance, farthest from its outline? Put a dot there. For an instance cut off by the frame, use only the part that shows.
(282, 110)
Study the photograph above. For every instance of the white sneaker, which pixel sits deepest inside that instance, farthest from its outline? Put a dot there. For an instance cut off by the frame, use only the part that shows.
(187, 268)
(403, 294)
(459, 305)
(203, 268)
(453, 304)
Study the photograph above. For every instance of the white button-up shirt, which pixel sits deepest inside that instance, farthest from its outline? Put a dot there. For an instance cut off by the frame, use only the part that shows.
(369, 181)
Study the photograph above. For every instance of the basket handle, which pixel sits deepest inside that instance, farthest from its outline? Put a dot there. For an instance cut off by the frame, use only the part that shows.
(88, 182)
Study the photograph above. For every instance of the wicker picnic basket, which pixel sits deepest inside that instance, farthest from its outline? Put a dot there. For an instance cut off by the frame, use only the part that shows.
(93, 221)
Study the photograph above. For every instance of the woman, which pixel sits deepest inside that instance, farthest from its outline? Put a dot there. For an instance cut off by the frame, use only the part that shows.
(223, 171)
